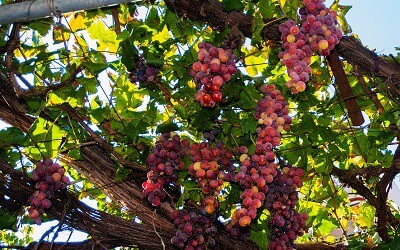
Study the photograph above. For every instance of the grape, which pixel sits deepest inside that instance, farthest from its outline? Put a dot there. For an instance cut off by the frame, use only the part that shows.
(211, 167)
(210, 135)
(286, 223)
(49, 177)
(194, 230)
(33, 214)
(319, 32)
(265, 184)
(46, 203)
(214, 68)
(321, 26)
(145, 74)
(164, 160)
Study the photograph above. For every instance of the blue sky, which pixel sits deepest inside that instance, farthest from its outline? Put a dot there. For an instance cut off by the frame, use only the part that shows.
(376, 23)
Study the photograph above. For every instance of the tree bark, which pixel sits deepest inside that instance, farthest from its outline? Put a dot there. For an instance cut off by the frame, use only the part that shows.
(345, 90)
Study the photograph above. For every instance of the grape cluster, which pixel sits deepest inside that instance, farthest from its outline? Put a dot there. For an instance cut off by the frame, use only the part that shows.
(319, 32)
(214, 68)
(272, 114)
(286, 223)
(49, 177)
(212, 166)
(254, 175)
(320, 26)
(256, 172)
(142, 72)
(252, 199)
(194, 231)
(296, 56)
(164, 160)
(210, 135)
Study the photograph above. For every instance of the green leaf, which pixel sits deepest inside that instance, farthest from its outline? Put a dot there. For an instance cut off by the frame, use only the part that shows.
(248, 124)
(75, 154)
(393, 244)
(232, 5)
(203, 119)
(122, 174)
(47, 136)
(191, 190)
(326, 227)
(366, 216)
(182, 112)
(255, 64)
(152, 58)
(267, 9)
(153, 20)
(42, 26)
(12, 136)
(7, 219)
(167, 127)
(105, 37)
(61, 34)
(95, 68)
(257, 28)
(260, 238)
(129, 54)
(54, 99)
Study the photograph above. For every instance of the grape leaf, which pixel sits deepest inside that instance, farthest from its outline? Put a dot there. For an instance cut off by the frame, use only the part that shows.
(7, 219)
(232, 5)
(129, 54)
(326, 227)
(167, 127)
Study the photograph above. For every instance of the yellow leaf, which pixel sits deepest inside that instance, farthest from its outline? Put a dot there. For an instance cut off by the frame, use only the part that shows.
(191, 84)
(255, 65)
(162, 36)
(77, 22)
(344, 222)
(330, 239)
(366, 217)
(255, 60)
(106, 38)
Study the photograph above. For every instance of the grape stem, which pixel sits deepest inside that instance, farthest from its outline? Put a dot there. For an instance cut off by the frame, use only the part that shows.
(155, 230)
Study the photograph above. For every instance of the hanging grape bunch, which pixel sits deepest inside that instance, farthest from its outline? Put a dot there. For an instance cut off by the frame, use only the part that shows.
(143, 73)
(49, 177)
(320, 26)
(319, 32)
(256, 172)
(194, 230)
(214, 68)
(211, 167)
(264, 183)
(164, 161)
(285, 223)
